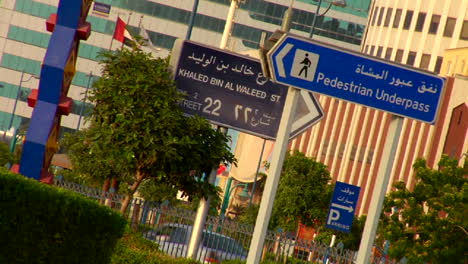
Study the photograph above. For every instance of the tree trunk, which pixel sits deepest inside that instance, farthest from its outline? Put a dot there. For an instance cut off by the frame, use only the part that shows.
(105, 189)
(138, 179)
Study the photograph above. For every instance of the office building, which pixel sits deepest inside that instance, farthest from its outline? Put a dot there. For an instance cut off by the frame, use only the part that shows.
(24, 39)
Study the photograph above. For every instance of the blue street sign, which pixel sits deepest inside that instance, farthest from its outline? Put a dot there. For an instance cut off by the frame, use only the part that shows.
(230, 90)
(355, 77)
(342, 207)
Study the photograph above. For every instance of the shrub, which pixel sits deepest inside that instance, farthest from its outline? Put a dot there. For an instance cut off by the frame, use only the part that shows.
(133, 248)
(44, 224)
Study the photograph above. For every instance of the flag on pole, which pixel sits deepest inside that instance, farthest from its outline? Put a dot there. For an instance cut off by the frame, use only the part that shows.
(144, 34)
(121, 33)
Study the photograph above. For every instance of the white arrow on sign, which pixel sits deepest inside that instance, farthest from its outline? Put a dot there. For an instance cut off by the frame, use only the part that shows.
(347, 208)
(279, 59)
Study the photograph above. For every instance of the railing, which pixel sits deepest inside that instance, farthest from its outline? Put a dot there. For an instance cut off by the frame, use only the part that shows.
(170, 228)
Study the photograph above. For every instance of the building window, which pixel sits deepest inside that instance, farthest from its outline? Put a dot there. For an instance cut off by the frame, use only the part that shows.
(420, 22)
(464, 31)
(388, 53)
(379, 21)
(396, 21)
(366, 49)
(438, 64)
(388, 17)
(408, 18)
(434, 24)
(372, 50)
(399, 55)
(425, 59)
(379, 52)
(374, 16)
(449, 26)
(449, 68)
(411, 58)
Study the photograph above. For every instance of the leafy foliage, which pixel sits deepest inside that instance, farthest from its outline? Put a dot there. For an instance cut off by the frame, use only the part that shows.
(40, 223)
(90, 166)
(5, 155)
(350, 240)
(303, 192)
(249, 215)
(138, 132)
(134, 249)
(158, 192)
(429, 223)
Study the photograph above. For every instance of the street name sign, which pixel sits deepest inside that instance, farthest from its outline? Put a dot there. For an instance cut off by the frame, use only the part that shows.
(342, 207)
(230, 90)
(355, 77)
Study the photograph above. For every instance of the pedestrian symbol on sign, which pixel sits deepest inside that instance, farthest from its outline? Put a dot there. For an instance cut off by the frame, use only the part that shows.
(304, 65)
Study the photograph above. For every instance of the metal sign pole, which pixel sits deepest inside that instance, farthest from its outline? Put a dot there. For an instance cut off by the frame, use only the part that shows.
(277, 159)
(204, 204)
(271, 185)
(383, 178)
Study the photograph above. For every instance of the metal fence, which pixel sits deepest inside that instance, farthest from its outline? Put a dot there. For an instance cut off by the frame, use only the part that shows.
(223, 239)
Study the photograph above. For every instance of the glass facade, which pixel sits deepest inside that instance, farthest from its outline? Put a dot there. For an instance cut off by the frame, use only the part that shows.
(249, 33)
(258, 10)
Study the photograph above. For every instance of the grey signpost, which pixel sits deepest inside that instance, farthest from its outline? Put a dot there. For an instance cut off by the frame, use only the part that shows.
(355, 77)
(230, 91)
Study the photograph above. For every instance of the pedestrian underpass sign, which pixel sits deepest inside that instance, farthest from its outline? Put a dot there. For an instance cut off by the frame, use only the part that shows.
(342, 207)
(356, 77)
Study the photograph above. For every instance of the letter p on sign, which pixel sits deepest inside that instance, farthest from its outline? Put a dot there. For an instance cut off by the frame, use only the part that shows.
(333, 216)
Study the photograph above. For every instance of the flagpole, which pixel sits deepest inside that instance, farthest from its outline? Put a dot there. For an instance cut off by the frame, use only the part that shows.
(141, 21)
(128, 23)
(112, 37)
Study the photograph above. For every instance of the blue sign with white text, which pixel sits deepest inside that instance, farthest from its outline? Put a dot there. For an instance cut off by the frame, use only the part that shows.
(342, 207)
(229, 90)
(355, 77)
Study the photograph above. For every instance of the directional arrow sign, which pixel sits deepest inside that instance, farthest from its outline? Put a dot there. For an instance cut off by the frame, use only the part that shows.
(340, 206)
(343, 203)
(230, 90)
(355, 77)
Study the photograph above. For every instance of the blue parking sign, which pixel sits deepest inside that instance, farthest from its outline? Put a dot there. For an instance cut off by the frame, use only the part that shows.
(342, 207)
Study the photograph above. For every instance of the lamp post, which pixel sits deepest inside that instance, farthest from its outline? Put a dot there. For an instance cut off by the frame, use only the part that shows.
(84, 100)
(227, 195)
(256, 172)
(341, 3)
(18, 95)
(192, 20)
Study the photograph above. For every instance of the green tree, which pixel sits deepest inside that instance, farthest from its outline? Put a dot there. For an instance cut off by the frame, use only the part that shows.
(90, 166)
(158, 192)
(138, 128)
(303, 193)
(428, 224)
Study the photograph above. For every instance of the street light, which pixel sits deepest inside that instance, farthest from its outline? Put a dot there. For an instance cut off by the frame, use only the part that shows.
(244, 195)
(84, 100)
(17, 97)
(340, 3)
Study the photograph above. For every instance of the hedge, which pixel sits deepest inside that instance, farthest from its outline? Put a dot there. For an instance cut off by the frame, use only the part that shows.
(44, 224)
(133, 248)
